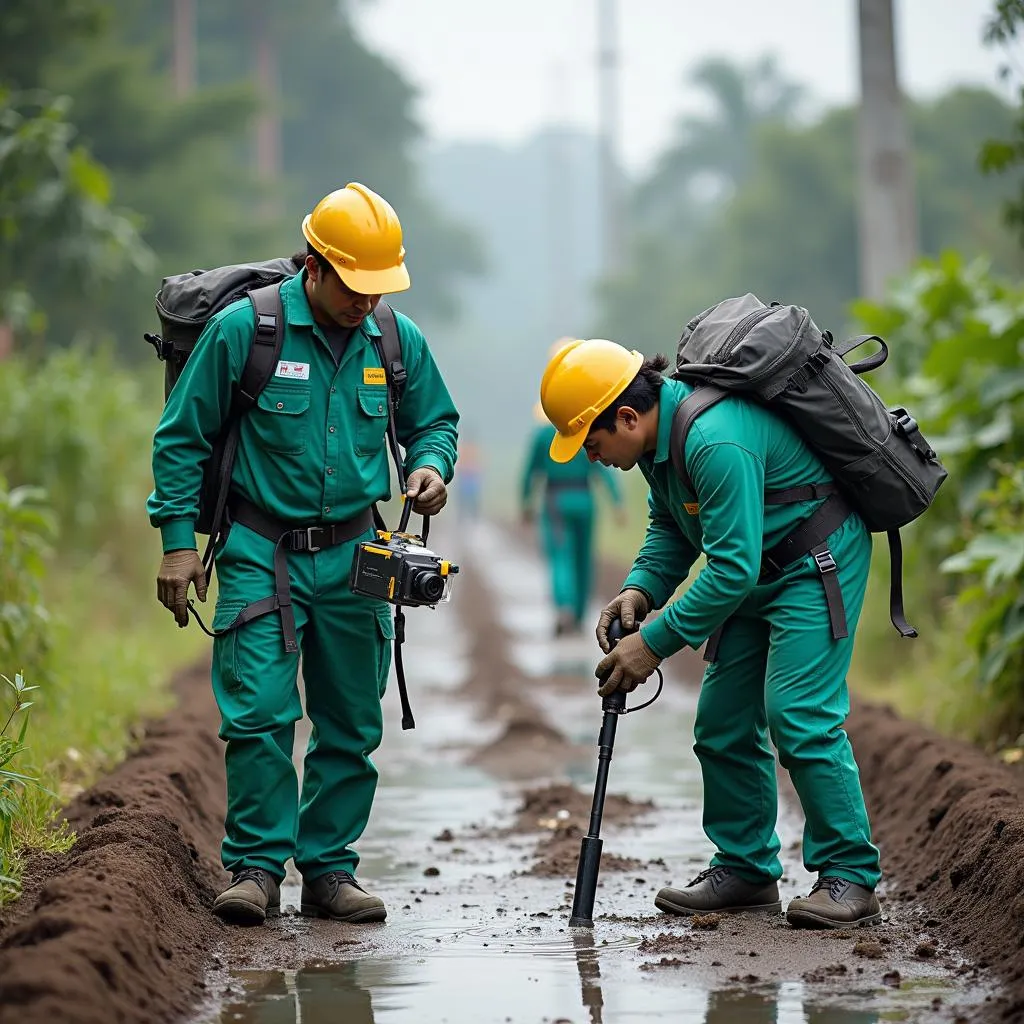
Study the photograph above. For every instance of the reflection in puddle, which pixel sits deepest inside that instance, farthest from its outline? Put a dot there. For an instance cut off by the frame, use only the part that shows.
(514, 988)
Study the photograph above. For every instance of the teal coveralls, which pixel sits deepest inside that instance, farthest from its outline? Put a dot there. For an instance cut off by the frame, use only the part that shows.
(778, 673)
(312, 451)
(566, 519)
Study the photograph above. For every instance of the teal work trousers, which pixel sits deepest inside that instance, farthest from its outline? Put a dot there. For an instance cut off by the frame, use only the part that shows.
(779, 676)
(344, 643)
(567, 534)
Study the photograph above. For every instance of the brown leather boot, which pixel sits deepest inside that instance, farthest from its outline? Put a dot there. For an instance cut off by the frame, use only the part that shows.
(720, 890)
(339, 896)
(834, 902)
(251, 898)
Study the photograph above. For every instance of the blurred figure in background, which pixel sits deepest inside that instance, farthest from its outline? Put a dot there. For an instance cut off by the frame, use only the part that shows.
(566, 517)
(469, 481)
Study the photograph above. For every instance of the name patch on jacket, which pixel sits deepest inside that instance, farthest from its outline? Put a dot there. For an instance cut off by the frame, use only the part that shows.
(297, 371)
(691, 507)
(374, 375)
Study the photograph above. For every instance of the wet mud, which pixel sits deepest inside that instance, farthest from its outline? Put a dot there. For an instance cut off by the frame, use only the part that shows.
(119, 929)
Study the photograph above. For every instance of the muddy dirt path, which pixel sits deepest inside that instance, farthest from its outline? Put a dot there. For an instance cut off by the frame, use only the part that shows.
(473, 845)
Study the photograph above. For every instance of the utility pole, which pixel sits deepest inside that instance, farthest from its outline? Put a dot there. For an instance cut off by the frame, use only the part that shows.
(268, 120)
(887, 205)
(559, 222)
(609, 180)
(183, 57)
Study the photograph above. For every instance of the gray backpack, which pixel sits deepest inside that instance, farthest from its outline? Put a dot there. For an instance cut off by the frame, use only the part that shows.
(883, 467)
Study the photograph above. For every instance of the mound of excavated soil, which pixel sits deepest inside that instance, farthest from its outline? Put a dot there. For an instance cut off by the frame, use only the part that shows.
(566, 804)
(950, 822)
(119, 929)
(525, 747)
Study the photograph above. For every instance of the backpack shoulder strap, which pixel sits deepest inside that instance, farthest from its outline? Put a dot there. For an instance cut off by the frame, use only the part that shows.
(686, 412)
(265, 351)
(391, 352)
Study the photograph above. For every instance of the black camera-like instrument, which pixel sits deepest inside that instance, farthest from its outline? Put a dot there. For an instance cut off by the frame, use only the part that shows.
(400, 569)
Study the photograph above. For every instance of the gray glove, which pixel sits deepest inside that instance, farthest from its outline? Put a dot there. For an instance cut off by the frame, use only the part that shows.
(630, 608)
(177, 570)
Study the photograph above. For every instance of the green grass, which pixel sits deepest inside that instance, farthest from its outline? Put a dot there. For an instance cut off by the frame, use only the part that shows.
(114, 650)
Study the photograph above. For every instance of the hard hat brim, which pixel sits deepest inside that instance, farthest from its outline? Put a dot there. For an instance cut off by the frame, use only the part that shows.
(374, 282)
(565, 447)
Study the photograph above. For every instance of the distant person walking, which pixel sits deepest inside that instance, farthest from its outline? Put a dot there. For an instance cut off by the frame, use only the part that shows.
(567, 519)
(470, 481)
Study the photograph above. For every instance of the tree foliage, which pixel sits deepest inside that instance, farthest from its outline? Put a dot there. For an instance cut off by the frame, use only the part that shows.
(56, 225)
(789, 230)
(185, 166)
(1005, 155)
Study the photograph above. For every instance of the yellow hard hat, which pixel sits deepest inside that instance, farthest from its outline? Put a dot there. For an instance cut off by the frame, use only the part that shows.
(580, 382)
(360, 235)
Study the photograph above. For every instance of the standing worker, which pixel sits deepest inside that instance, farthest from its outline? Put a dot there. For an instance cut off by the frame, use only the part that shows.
(312, 461)
(778, 671)
(566, 519)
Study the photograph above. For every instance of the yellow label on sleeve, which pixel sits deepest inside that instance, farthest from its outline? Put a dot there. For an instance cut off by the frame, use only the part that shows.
(692, 507)
(374, 375)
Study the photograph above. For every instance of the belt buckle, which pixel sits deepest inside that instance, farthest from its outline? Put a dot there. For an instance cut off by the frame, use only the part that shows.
(826, 563)
(310, 546)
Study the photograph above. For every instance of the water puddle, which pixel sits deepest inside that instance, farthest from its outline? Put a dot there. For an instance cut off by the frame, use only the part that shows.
(525, 989)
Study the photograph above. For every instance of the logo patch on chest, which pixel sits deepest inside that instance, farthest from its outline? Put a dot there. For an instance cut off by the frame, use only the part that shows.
(297, 371)
(374, 375)
(691, 507)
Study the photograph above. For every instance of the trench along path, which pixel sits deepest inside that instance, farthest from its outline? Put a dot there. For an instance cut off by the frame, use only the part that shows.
(473, 845)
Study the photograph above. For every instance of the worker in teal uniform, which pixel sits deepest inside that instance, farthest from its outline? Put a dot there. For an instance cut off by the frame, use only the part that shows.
(566, 522)
(778, 673)
(313, 455)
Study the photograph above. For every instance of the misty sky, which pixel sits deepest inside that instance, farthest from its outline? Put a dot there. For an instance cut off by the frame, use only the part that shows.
(495, 70)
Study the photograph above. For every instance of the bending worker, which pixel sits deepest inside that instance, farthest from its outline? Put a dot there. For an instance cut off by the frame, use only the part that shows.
(777, 673)
(566, 522)
(312, 460)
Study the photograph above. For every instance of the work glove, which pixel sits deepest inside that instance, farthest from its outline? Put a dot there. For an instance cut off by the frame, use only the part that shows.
(427, 491)
(177, 570)
(627, 666)
(630, 607)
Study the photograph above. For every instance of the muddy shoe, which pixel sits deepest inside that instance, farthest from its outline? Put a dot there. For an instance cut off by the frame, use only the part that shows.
(834, 903)
(339, 896)
(251, 898)
(722, 891)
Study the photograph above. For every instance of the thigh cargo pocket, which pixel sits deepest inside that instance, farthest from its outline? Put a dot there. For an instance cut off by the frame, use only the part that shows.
(225, 648)
(386, 634)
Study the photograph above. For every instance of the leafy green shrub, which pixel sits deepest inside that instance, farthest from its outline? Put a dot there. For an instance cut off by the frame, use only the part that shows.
(26, 531)
(957, 338)
(80, 426)
(12, 782)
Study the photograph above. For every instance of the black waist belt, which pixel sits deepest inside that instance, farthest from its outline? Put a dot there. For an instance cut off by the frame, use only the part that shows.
(288, 537)
(806, 538)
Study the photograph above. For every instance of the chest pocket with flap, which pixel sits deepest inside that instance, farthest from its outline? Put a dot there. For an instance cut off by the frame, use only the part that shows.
(371, 418)
(281, 419)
